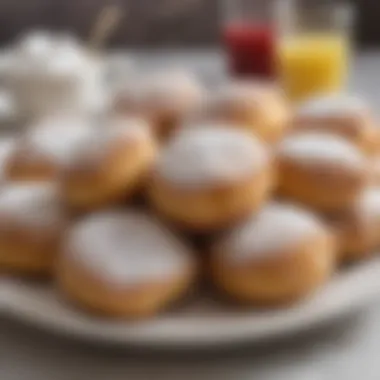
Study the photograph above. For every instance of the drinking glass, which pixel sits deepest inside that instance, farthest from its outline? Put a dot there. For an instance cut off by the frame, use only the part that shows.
(248, 35)
(313, 46)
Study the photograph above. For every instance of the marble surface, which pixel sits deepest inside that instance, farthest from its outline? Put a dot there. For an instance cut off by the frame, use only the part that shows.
(347, 350)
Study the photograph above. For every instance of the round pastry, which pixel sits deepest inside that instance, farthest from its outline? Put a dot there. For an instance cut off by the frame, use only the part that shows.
(359, 227)
(347, 116)
(209, 177)
(42, 152)
(278, 256)
(124, 264)
(164, 98)
(111, 166)
(321, 170)
(258, 107)
(32, 221)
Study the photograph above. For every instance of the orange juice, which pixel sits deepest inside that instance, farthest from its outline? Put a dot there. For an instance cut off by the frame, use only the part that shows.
(312, 64)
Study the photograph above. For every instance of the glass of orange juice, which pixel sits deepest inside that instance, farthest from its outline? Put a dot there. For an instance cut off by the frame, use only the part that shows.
(314, 46)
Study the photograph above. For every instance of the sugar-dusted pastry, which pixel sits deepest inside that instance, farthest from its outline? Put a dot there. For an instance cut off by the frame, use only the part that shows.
(278, 256)
(321, 170)
(209, 177)
(345, 115)
(124, 264)
(112, 164)
(32, 222)
(257, 107)
(165, 98)
(46, 147)
(359, 227)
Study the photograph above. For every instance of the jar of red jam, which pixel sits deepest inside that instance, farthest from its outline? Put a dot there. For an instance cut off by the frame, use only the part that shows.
(249, 37)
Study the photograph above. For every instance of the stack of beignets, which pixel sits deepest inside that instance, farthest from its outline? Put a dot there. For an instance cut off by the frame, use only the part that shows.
(282, 196)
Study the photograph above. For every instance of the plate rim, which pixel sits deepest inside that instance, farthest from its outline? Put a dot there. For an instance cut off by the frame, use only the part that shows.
(225, 334)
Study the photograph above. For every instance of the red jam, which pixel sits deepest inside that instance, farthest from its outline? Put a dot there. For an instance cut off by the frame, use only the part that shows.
(250, 49)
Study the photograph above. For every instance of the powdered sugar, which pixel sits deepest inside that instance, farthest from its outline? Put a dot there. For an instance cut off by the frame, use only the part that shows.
(174, 90)
(33, 48)
(31, 204)
(322, 148)
(208, 156)
(242, 96)
(96, 145)
(47, 54)
(58, 138)
(132, 128)
(127, 248)
(175, 82)
(332, 106)
(53, 71)
(274, 230)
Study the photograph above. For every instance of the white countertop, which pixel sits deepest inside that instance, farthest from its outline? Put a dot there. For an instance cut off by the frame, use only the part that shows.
(347, 350)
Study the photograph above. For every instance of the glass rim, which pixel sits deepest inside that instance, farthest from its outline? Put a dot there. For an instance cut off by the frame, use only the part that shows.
(287, 12)
(288, 9)
(228, 9)
(345, 8)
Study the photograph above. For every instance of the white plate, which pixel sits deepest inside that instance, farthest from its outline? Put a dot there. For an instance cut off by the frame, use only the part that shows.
(201, 323)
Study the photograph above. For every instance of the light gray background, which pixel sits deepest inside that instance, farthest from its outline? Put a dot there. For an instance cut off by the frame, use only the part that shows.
(346, 350)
